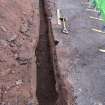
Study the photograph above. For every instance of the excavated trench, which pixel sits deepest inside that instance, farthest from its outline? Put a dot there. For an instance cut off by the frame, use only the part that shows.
(46, 91)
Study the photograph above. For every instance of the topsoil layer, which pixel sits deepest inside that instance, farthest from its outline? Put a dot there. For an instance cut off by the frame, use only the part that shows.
(19, 25)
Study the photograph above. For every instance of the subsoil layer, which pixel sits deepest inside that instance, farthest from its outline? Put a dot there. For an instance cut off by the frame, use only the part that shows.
(46, 92)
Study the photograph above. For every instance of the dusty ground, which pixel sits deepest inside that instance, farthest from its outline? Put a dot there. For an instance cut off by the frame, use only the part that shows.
(81, 62)
(19, 25)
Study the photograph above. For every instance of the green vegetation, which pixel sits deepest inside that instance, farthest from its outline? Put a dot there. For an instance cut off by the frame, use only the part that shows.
(100, 6)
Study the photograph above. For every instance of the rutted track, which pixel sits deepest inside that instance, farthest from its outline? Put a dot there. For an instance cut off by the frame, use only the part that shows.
(46, 92)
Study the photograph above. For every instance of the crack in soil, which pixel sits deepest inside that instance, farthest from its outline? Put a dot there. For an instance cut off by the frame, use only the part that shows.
(46, 91)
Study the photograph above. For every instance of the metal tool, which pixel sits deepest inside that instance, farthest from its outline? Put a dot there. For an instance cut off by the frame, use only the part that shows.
(64, 30)
(58, 16)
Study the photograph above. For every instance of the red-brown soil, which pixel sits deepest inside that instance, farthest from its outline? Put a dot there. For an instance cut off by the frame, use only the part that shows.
(19, 23)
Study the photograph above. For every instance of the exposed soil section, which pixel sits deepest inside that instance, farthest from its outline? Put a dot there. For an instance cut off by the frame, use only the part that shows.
(18, 39)
(60, 55)
(46, 92)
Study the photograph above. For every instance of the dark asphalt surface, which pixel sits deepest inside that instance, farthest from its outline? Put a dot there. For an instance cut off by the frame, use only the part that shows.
(79, 55)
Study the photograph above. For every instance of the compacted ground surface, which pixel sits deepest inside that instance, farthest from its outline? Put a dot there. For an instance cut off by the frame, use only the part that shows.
(79, 57)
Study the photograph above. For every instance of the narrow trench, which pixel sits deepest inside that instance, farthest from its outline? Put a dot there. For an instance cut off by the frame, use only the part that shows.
(46, 92)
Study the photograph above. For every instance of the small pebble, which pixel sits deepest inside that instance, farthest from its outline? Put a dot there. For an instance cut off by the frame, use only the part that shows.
(3, 73)
(3, 103)
(8, 87)
(5, 92)
(24, 28)
(19, 82)
(13, 71)
(16, 56)
(3, 28)
(3, 42)
(17, 87)
(12, 38)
